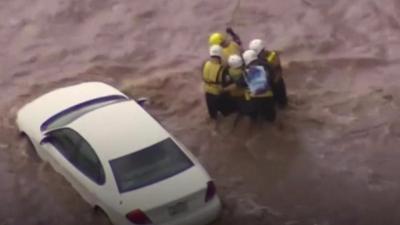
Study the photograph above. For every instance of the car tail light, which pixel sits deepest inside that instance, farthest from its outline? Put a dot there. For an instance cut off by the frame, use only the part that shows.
(211, 191)
(138, 217)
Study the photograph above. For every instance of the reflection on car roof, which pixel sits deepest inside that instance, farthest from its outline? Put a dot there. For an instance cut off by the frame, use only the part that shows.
(78, 110)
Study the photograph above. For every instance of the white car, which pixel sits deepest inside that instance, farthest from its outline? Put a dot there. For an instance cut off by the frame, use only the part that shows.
(118, 157)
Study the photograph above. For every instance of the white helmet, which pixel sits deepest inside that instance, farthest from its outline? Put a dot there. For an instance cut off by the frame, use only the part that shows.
(249, 56)
(216, 50)
(235, 61)
(256, 45)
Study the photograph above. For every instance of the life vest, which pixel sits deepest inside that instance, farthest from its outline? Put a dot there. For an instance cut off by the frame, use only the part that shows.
(231, 49)
(236, 74)
(272, 58)
(212, 77)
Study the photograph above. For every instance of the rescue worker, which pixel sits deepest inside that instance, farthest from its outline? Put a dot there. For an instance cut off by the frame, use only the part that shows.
(236, 67)
(229, 47)
(214, 80)
(271, 58)
(236, 73)
(258, 95)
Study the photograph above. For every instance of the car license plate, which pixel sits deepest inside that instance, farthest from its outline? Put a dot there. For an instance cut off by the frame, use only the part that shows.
(177, 208)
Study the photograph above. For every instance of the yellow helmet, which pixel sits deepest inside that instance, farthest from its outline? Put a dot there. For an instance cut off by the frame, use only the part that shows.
(216, 39)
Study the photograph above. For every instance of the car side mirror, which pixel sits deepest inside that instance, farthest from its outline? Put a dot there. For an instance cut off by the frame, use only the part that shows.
(142, 101)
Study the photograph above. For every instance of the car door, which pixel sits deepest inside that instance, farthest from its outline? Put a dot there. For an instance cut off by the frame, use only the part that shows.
(89, 171)
(60, 152)
(73, 157)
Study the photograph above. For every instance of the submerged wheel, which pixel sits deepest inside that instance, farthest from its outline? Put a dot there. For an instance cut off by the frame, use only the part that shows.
(101, 216)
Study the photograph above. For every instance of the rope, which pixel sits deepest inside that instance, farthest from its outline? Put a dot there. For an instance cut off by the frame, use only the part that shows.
(231, 21)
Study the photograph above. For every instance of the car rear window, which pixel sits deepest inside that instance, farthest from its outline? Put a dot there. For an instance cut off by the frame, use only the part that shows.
(149, 165)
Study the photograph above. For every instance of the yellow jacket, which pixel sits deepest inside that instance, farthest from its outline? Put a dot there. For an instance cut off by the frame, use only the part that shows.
(272, 58)
(212, 77)
(236, 74)
(231, 49)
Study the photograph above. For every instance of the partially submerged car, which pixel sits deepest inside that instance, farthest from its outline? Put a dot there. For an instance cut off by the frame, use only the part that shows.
(118, 157)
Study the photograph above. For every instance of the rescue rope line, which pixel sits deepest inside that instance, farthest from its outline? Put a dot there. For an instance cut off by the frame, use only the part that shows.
(232, 20)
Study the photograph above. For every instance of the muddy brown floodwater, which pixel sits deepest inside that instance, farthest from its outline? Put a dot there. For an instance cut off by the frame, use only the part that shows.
(331, 158)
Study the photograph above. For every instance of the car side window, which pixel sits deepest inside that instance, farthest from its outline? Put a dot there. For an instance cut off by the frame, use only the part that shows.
(65, 144)
(78, 152)
(89, 164)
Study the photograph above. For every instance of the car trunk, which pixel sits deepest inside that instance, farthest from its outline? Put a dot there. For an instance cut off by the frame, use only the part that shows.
(171, 198)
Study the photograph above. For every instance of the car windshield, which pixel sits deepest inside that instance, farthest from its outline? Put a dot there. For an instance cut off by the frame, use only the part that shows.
(150, 165)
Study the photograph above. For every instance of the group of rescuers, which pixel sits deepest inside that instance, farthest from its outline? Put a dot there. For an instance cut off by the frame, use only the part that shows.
(249, 82)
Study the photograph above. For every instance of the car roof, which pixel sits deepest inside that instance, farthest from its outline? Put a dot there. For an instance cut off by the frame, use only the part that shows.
(119, 129)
